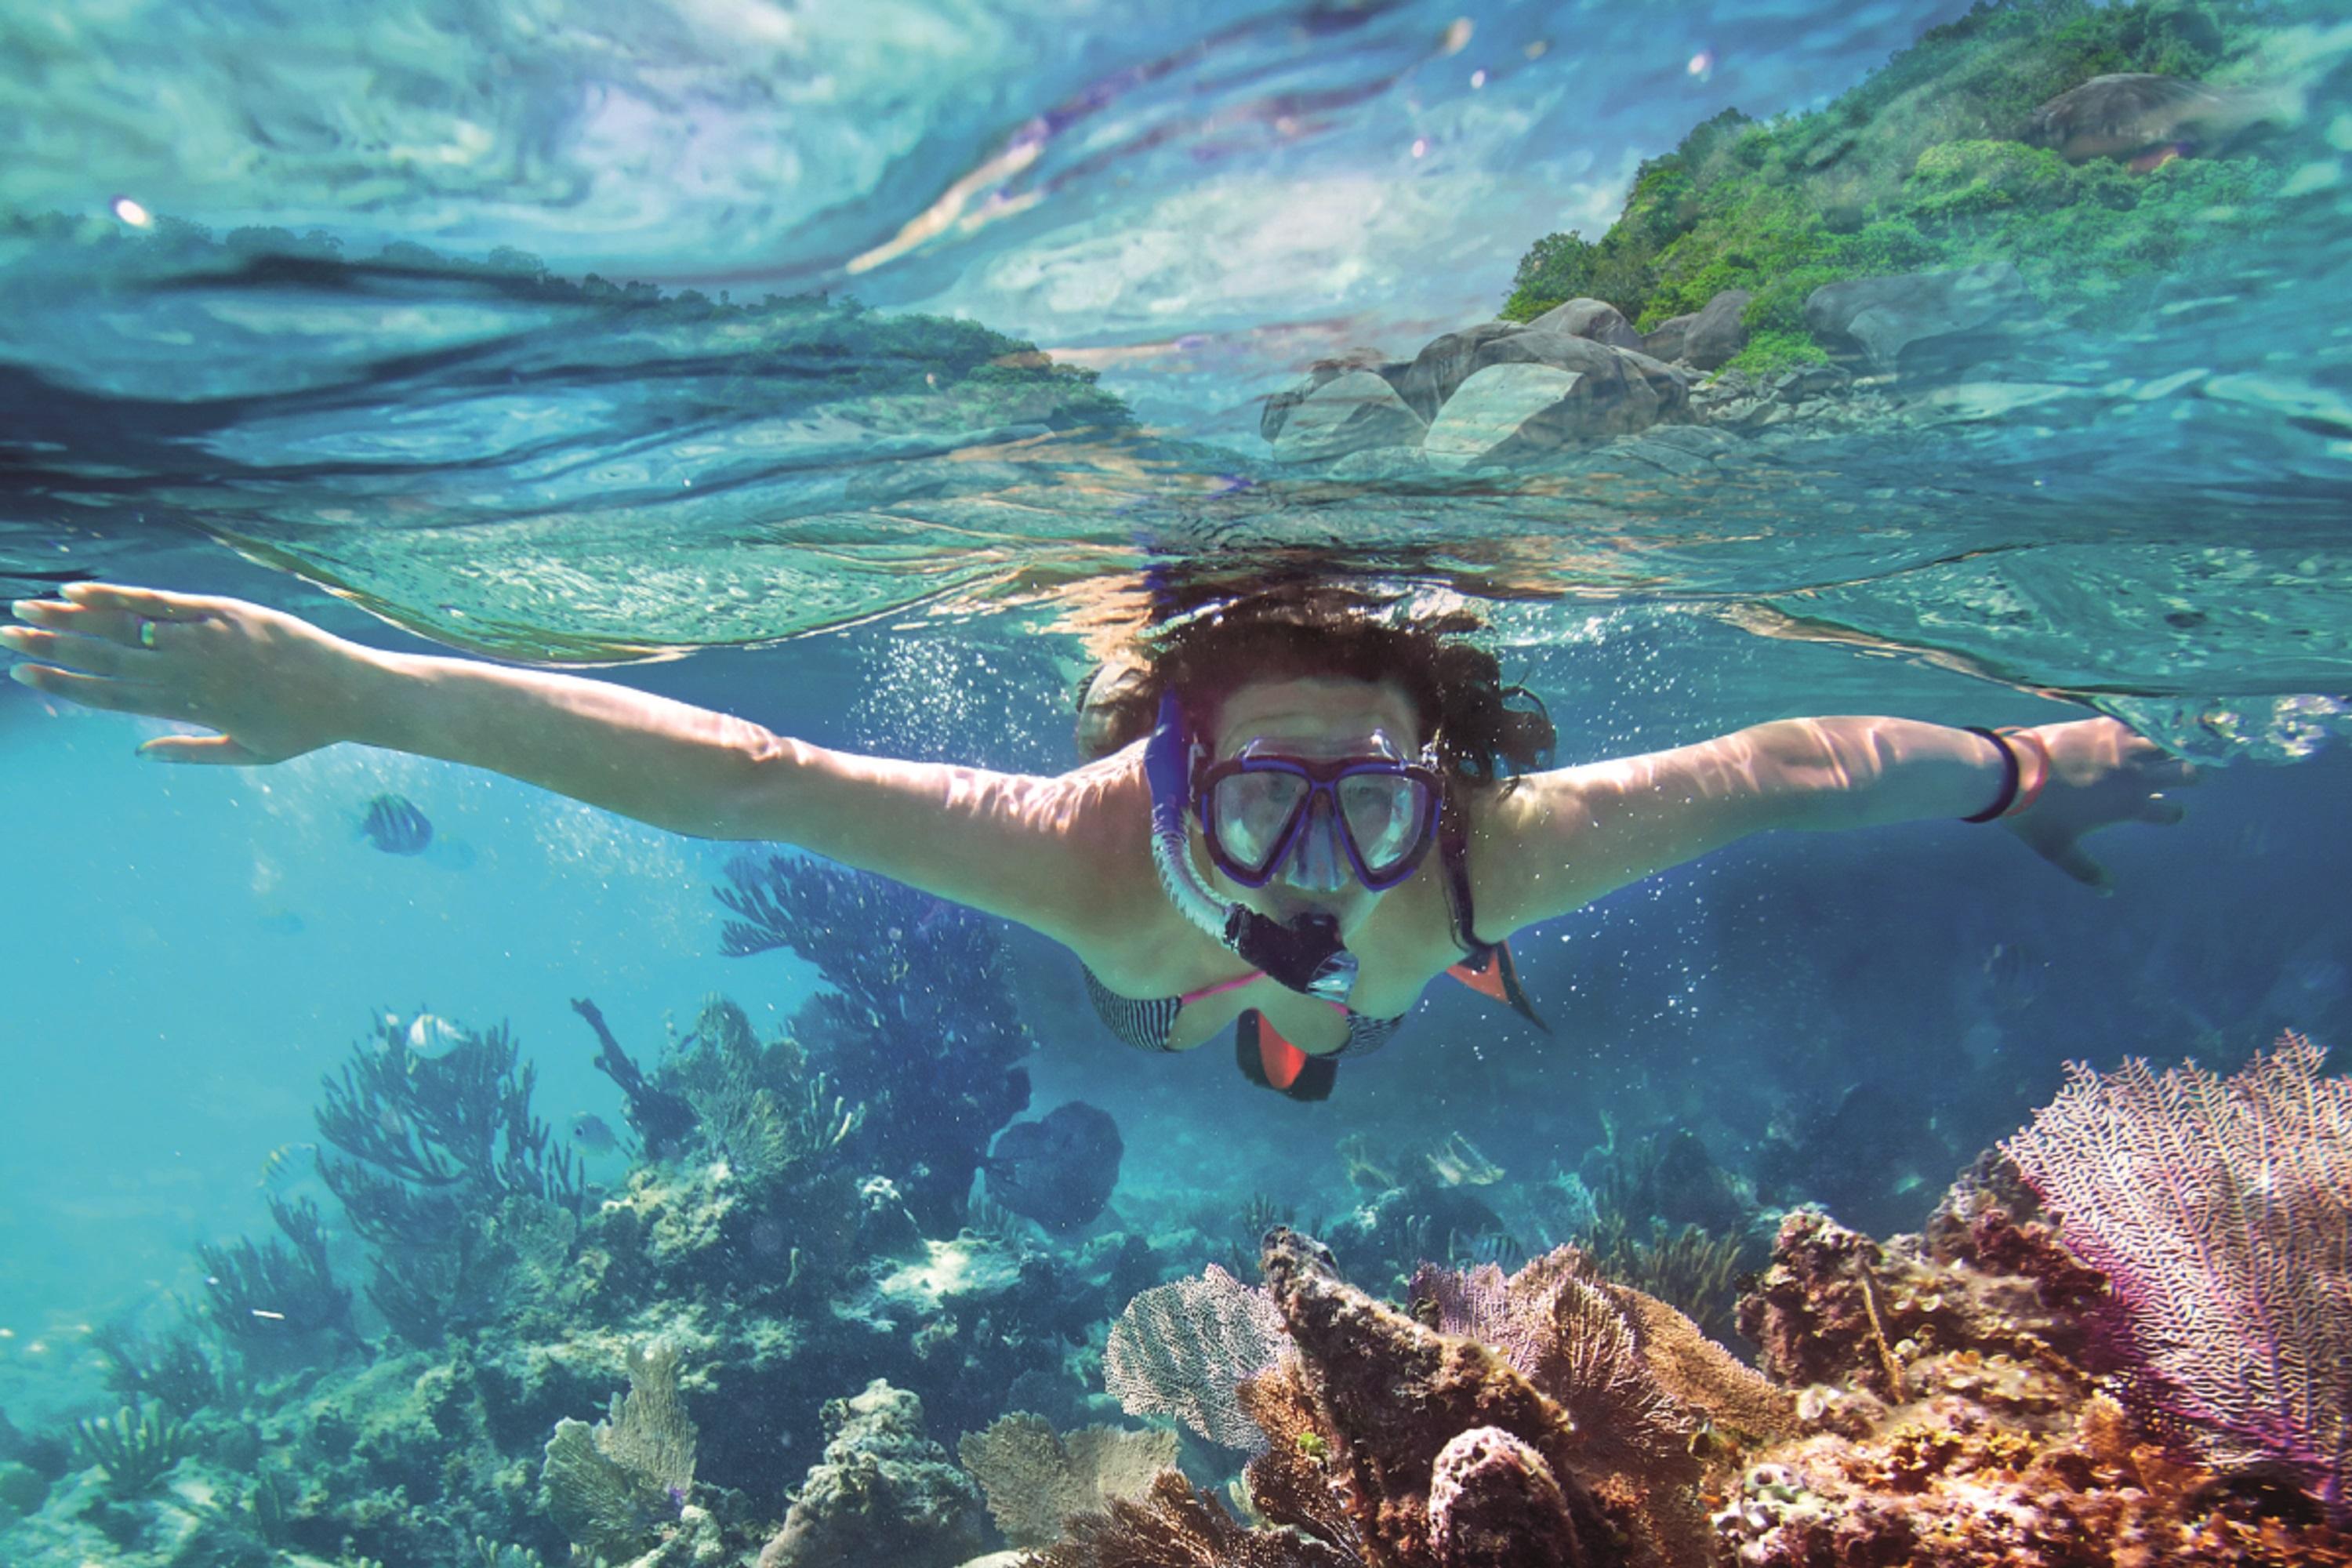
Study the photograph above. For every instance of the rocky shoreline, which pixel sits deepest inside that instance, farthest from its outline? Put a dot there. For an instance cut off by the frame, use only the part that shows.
(1510, 395)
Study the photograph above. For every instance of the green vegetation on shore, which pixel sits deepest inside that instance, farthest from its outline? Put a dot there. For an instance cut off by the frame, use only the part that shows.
(1918, 168)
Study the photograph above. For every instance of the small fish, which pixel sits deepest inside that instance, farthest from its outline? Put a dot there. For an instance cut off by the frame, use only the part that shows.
(2013, 979)
(279, 1167)
(594, 1133)
(431, 1037)
(395, 826)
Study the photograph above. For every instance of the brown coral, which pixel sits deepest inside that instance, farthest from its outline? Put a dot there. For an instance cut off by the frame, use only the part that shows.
(1389, 1394)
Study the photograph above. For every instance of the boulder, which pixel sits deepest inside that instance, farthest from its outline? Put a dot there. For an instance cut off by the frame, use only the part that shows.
(1595, 319)
(1672, 383)
(1354, 410)
(1445, 364)
(1322, 374)
(1525, 412)
(1483, 417)
(2122, 116)
(1880, 317)
(1706, 339)
(1622, 393)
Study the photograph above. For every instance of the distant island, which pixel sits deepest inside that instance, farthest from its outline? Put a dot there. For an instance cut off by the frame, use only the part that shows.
(2035, 174)
(1961, 150)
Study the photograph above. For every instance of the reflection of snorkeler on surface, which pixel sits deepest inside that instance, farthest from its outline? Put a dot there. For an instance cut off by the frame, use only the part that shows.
(1245, 847)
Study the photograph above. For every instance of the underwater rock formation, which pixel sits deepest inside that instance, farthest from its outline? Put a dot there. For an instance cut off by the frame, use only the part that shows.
(1059, 1170)
(884, 1493)
(1954, 1425)
(918, 1024)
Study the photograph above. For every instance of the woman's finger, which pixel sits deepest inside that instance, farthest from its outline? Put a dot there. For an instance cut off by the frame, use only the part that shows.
(215, 749)
(151, 602)
(101, 691)
(90, 620)
(72, 650)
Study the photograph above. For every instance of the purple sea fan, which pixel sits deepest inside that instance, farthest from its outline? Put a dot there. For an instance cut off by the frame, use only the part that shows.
(2221, 1211)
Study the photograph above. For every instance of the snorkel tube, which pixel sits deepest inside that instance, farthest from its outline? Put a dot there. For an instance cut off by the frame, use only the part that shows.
(1305, 954)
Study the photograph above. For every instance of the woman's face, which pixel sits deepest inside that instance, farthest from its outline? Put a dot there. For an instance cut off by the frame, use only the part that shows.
(1317, 717)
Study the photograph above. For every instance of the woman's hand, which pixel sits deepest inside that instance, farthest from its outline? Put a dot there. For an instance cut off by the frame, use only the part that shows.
(2101, 774)
(274, 686)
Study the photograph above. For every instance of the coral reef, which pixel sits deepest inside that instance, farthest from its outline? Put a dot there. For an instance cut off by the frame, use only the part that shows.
(662, 1121)
(884, 1492)
(918, 1024)
(447, 1164)
(759, 1108)
(1176, 1525)
(1437, 1440)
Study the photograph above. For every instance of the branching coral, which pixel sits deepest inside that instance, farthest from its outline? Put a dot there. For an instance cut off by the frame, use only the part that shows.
(918, 1024)
(443, 1151)
(2221, 1209)
(176, 1370)
(262, 1295)
(1035, 1478)
(430, 1135)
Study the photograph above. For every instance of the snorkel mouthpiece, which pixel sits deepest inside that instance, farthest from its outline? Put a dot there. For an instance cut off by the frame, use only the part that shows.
(1305, 954)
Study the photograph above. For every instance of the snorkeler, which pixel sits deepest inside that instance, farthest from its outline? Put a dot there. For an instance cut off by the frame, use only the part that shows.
(1250, 848)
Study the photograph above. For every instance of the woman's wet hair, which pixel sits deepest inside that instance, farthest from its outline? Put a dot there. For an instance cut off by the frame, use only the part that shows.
(1484, 732)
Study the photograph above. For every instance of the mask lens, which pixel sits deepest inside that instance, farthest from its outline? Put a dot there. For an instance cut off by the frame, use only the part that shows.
(1385, 813)
(1252, 810)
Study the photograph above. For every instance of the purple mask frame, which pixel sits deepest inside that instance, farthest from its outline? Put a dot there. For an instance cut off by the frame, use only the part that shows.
(1323, 780)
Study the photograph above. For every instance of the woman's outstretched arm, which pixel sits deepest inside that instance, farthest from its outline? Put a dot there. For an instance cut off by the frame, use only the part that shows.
(1565, 838)
(274, 686)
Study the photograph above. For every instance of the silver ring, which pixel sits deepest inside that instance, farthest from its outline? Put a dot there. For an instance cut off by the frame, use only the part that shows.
(146, 633)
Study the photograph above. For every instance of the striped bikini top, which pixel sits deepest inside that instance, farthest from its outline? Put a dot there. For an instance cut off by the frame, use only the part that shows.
(1149, 1023)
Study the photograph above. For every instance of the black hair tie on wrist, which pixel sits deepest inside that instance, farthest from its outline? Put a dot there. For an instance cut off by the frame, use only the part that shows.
(2009, 774)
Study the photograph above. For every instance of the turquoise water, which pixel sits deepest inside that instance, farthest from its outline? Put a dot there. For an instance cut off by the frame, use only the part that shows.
(310, 310)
